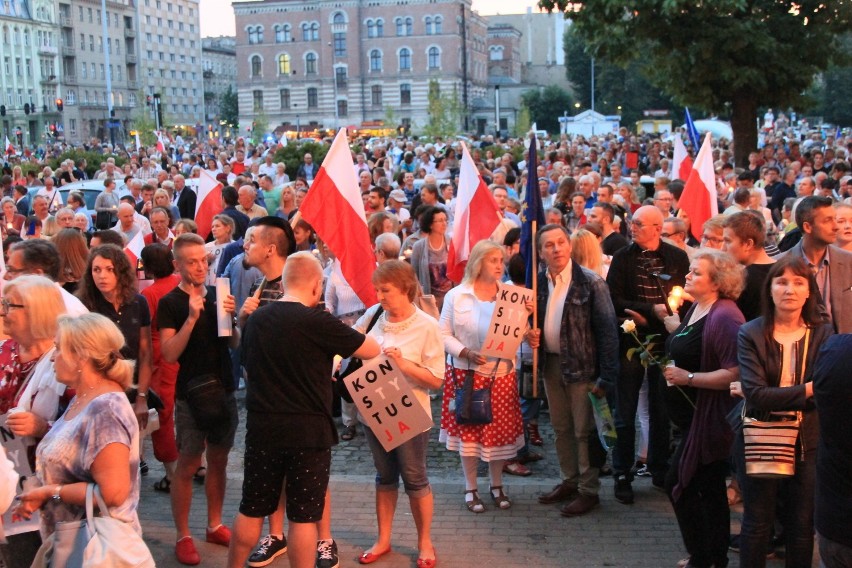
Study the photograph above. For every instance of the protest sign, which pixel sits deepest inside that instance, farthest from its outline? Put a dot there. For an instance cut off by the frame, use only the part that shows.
(387, 402)
(509, 322)
(16, 451)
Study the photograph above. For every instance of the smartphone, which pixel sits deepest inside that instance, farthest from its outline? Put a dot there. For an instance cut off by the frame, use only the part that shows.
(31, 228)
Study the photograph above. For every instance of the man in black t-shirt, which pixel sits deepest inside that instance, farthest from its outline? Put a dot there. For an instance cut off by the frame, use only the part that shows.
(186, 317)
(289, 426)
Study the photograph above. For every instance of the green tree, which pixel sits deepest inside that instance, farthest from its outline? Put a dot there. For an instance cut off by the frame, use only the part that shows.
(614, 86)
(143, 122)
(229, 109)
(445, 112)
(523, 122)
(293, 154)
(832, 90)
(547, 105)
(722, 56)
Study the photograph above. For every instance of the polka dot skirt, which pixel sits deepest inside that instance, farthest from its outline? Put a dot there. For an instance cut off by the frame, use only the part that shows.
(499, 440)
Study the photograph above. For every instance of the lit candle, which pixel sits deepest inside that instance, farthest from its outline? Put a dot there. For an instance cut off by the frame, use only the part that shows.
(407, 253)
(675, 298)
(8, 225)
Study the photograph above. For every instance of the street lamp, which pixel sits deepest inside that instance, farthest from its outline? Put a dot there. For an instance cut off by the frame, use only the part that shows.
(576, 108)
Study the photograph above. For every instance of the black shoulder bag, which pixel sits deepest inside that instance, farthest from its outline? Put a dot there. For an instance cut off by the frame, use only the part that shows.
(353, 365)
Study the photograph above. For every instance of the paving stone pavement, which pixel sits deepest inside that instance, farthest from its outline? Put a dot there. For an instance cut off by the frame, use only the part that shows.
(642, 535)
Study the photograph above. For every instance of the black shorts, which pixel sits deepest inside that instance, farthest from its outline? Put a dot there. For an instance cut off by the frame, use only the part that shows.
(302, 472)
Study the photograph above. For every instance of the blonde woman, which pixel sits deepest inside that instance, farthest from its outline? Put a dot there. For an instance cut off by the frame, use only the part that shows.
(464, 322)
(97, 439)
(586, 251)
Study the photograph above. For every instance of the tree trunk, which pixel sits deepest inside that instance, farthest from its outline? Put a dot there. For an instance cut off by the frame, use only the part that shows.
(744, 125)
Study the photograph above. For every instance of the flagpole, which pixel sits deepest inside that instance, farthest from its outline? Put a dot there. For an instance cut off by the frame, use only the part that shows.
(535, 308)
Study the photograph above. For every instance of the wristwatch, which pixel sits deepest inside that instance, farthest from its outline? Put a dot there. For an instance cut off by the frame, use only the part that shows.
(56, 494)
(689, 377)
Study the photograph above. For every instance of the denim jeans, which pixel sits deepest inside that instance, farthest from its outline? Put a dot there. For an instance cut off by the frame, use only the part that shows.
(759, 499)
(407, 461)
(530, 410)
(627, 400)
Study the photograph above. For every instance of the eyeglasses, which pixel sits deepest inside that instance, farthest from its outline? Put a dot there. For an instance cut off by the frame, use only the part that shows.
(6, 305)
(639, 225)
(669, 235)
(12, 270)
(713, 240)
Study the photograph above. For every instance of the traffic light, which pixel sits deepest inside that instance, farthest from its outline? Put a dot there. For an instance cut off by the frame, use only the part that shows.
(148, 100)
(26, 108)
(2, 110)
(59, 105)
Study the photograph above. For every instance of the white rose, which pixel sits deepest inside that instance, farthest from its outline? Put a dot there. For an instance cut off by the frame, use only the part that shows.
(628, 326)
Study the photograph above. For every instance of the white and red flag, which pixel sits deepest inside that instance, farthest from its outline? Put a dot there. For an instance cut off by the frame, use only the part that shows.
(161, 144)
(133, 249)
(476, 216)
(681, 163)
(334, 209)
(699, 199)
(209, 202)
(9, 148)
(138, 142)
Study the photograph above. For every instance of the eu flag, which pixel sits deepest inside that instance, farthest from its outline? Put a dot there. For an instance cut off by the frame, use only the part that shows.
(691, 131)
(531, 211)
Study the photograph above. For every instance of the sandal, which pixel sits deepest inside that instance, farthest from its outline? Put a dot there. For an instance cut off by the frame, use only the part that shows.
(164, 485)
(500, 499)
(514, 467)
(475, 505)
(200, 475)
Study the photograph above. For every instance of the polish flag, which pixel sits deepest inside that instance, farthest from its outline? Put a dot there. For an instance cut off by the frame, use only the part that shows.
(209, 202)
(699, 199)
(476, 216)
(9, 148)
(161, 145)
(138, 142)
(133, 250)
(682, 163)
(334, 209)
(282, 142)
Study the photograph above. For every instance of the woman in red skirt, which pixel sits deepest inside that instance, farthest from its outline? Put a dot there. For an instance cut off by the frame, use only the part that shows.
(465, 318)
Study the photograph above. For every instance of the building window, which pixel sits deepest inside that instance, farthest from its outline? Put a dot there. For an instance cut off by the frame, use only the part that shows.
(437, 25)
(404, 26)
(342, 108)
(375, 28)
(310, 31)
(338, 18)
(283, 64)
(428, 22)
(434, 58)
(340, 77)
(255, 34)
(405, 94)
(495, 53)
(285, 99)
(405, 59)
(257, 97)
(340, 44)
(376, 95)
(70, 97)
(375, 60)
(312, 97)
(311, 64)
(255, 66)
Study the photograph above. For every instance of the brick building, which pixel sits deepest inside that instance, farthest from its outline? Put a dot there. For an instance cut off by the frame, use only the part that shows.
(328, 64)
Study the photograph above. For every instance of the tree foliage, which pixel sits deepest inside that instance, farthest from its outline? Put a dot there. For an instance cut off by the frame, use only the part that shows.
(229, 109)
(726, 56)
(615, 86)
(547, 105)
(293, 154)
(523, 122)
(832, 92)
(445, 112)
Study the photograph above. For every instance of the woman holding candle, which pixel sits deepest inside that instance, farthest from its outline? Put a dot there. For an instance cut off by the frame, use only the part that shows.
(13, 222)
(703, 351)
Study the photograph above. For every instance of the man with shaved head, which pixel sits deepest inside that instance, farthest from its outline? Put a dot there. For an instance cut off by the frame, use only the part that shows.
(640, 277)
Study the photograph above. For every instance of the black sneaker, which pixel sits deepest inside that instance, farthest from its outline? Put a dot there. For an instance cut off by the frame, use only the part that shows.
(734, 543)
(623, 490)
(269, 548)
(327, 554)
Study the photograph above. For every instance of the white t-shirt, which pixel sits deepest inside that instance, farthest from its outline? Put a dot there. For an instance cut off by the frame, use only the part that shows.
(216, 249)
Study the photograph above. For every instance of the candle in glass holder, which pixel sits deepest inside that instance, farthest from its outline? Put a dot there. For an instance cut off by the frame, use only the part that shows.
(675, 298)
(407, 253)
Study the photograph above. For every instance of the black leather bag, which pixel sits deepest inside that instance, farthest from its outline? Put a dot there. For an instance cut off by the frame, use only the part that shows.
(473, 406)
(353, 365)
(207, 401)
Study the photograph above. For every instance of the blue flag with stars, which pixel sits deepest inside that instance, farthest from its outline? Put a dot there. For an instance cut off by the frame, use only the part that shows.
(691, 131)
(531, 210)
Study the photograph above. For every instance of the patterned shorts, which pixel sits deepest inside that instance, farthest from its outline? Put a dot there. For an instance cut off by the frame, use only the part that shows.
(302, 472)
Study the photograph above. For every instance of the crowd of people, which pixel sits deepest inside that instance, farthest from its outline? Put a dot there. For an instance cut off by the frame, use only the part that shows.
(742, 313)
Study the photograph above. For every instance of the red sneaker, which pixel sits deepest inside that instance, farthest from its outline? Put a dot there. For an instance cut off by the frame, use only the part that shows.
(219, 535)
(186, 553)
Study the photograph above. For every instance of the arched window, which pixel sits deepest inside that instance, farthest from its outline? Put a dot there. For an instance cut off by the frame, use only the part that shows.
(371, 28)
(380, 27)
(283, 64)
(428, 22)
(375, 60)
(287, 31)
(259, 34)
(310, 64)
(409, 25)
(314, 31)
(434, 58)
(405, 59)
(252, 38)
(338, 18)
(255, 66)
(437, 25)
(279, 34)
